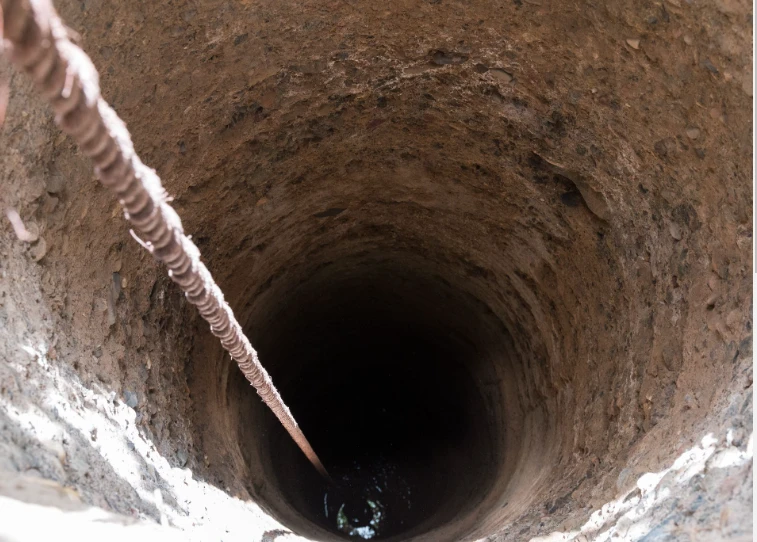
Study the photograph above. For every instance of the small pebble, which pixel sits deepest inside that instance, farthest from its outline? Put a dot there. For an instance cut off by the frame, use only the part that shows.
(623, 477)
(100, 305)
(130, 398)
(634, 43)
(501, 75)
(54, 184)
(675, 231)
(39, 249)
(181, 455)
(692, 133)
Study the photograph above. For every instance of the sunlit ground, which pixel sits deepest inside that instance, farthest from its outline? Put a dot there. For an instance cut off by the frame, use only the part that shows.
(201, 510)
(633, 515)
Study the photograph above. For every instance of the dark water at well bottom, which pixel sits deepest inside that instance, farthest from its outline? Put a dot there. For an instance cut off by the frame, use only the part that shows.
(369, 500)
(391, 423)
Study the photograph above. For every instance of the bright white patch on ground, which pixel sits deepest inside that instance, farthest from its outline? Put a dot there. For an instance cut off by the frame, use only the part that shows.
(630, 517)
(202, 511)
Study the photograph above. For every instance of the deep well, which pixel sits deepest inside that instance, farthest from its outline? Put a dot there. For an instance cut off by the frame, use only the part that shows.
(495, 255)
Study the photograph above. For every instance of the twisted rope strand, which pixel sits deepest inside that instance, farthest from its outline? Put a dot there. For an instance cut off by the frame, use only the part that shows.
(66, 77)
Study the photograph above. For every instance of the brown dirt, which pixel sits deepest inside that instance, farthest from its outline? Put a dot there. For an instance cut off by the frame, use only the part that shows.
(563, 210)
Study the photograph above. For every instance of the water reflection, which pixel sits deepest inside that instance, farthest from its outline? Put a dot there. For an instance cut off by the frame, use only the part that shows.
(368, 500)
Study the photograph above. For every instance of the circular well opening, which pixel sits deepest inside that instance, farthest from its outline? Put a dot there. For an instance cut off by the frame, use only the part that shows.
(379, 370)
